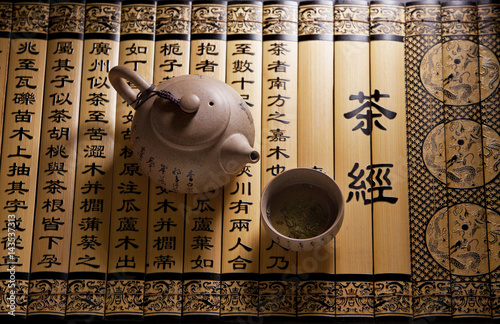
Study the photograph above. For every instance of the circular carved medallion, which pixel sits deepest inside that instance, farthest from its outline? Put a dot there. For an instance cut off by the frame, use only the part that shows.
(458, 239)
(466, 64)
(455, 152)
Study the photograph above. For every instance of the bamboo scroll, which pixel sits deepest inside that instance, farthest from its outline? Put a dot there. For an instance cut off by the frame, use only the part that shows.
(204, 212)
(57, 164)
(21, 144)
(240, 246)
(353, 243)
(489, 67)
(128, 228)
(316, 269)
(427, 195)
(314, 97)
(389, 185)
(277, 289)
(94, 170)
(165, 248)
(5, 33)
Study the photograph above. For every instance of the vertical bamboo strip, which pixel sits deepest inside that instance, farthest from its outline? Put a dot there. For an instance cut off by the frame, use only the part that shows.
(241, 227)
(425, 146)
(165, 248)
(352, 113)
(489, 67)
(389, 171)
(316, 269)
(165, 251)
(277, 287)
(5, 33)
(94, 169)
(21, 145)
(204, 212)
(128, 228)
(469, 266)
(57, 164)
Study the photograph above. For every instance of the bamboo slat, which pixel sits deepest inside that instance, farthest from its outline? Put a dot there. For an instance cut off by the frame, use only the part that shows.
(389, 185)
(353, 243)
(94, 173)
(165, 249)
(57, 164)
(128, 225)
(20, 151)
(240, 246)
(427, 195)
(464, 178)
(316, 269)
(204, 212)
(277, 288)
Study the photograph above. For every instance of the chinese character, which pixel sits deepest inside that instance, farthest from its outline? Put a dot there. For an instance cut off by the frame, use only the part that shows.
(243, 49)
(375, 173)
(277, 135)
(49, 260)
(27, 46)
(100, 48)
(126, 241)
(164, 223)
(369, 116)
(239, 263)
(134, 50)
(163, 261)
(203, 206)
(128, 205)
(51, 224)
(240, 206)
(85, 261)
(164, 243)
(247, 248)
(21, 170)
(171, 49)
(64, 47)
(127, 224)
(202, 224)
(23, 116)
(205, 263)
(242, 188)
(124, 263)
(24, 98)
(242, 66)
(202, 242)
(206, 66)
(240, 224)
(170, 65)
(278, 49)
(276, 116)
(89, 242)
(53, 205)
(92, 205)
(90, 223)
(209, 49)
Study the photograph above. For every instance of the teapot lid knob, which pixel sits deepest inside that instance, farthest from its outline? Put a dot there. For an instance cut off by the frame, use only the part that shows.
(190, 103)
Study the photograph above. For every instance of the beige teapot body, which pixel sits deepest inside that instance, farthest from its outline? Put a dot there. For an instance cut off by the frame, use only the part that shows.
(190, 134)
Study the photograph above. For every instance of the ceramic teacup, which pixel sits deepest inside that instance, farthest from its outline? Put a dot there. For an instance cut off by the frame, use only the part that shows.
(302, 209)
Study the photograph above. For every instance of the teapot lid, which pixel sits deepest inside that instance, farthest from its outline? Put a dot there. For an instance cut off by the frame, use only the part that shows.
(202, 117)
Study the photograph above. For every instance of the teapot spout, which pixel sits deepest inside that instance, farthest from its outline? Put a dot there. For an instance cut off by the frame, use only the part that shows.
(236, 151)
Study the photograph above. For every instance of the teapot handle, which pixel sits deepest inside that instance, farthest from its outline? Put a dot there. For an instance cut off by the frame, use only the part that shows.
(117, 77)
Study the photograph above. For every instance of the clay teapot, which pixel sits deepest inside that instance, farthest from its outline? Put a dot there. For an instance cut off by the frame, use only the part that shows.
(191, 133)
